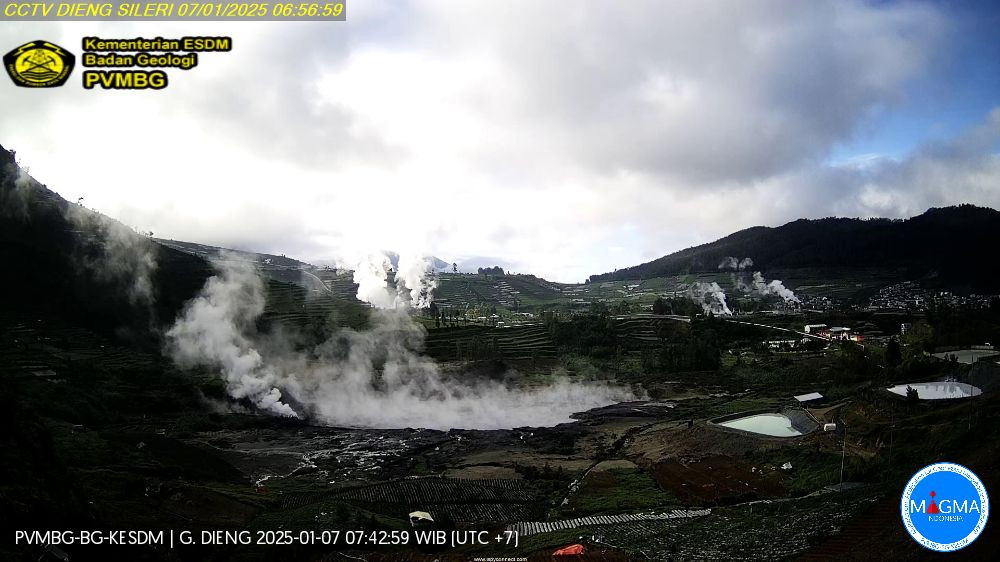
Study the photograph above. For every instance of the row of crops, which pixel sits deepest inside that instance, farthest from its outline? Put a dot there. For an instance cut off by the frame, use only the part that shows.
(37, 345)
(528, 528)
(638, 330)
(293, 306)
(428, 491)
(509, 291)
(516, 343)
(460, 500)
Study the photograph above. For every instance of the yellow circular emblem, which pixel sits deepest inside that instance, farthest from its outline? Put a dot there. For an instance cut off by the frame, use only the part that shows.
(39, 66)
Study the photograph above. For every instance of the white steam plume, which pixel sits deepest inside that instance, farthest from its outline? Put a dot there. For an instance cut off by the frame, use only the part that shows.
(729, 262)
(414, 281)
(775, 287)
(15, 198)
(371, 275)
(125, 254)
(415, 275)
(711, 297)
(734, 264)
(210, 332)
(122, 255)
(372, 378)
(757, 283)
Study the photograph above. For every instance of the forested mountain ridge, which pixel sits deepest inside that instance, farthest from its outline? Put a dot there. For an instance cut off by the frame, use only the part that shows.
(62, 258)
(957, 245)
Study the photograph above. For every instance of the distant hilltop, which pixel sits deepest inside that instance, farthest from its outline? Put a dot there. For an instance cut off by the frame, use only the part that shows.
(957, 246)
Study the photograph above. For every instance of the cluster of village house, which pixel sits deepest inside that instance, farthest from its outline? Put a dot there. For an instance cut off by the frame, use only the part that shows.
(838, 333)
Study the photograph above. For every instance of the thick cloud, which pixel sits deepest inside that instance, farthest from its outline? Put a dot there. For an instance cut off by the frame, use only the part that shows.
(962, 169)
(696, 90)
(563, 141)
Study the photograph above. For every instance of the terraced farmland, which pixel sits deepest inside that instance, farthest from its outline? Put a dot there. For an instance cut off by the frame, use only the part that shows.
(340, 283)
(441, 490)
(466, 501)
(48, 349)
(293, 306)
(638, 331)
(516, 343)
(460, 291)
(528, 528)
(508, 291)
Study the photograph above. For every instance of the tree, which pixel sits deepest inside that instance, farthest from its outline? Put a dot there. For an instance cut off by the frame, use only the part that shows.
(454, 267)
(893, 355)
(660, 306)
(918, 339)
(622, 307)
(599, 308)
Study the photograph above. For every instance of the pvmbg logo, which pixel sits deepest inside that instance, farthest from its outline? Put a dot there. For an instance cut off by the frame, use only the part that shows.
(39, 64)
(945, 507)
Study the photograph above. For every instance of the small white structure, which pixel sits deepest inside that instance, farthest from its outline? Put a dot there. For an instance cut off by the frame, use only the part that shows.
(811, 397)
(810, 328)
(417, 517)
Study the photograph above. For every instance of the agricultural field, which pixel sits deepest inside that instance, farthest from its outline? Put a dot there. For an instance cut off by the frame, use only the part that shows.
(627, 477)
(529, 343)
(107, 426)
(509, 294)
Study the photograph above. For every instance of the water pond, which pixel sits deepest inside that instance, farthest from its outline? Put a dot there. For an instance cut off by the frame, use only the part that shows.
(775, 425)
(938, 390)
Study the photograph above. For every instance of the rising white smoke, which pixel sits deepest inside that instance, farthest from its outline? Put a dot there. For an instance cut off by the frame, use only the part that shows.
(15, 197)
(711, 297)
(413, 286)
(735, 264)
(757, 283)
(370, 273)
(125, 255)
(775, 287)
(414, 274)
(729, 262)
(372, 378)
(378, 378)
(211, 333)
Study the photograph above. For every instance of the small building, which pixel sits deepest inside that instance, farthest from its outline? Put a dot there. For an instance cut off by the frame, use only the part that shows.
(839, 333)
(813, 328)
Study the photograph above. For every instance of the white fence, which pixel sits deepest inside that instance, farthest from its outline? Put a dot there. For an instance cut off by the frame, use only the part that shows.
(527, 528)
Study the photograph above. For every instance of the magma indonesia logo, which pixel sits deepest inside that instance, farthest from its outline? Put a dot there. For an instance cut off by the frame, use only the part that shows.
(945, 507)
(39, 64)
